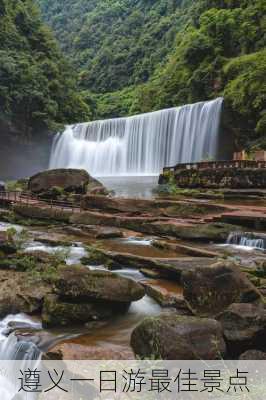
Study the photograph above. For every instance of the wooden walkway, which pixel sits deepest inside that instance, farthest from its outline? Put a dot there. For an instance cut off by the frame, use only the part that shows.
(9, 198)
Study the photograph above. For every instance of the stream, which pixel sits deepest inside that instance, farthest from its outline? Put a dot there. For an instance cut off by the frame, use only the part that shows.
(100, 338)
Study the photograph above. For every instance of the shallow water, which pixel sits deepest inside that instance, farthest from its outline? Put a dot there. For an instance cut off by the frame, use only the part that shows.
(140, 247)
(131, 186)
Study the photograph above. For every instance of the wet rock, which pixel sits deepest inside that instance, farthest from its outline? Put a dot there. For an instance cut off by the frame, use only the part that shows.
(209, 291)
(175, 337)
(244, 326)
(151, 273)
(167, 296)
(253, 355)
(20, 292)
(57, 312)
(188, 250)
(78, 283)
(69, 180)
(76, 351)
(212, 232)
(53, 240)
(167, 267)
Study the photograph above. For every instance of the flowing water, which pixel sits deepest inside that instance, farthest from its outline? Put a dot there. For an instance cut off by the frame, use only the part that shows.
(141, 144)
(247, 240)
(115, 335)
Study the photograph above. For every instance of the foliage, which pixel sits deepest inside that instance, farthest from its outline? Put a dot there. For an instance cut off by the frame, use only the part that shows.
(18, 237)
(37, 85)
(137, 56)
(116, 43)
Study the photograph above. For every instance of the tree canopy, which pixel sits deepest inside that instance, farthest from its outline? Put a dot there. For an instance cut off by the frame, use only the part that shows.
(38, 88)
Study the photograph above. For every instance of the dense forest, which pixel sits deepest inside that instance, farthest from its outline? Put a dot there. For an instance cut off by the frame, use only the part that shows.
(37, 87)
(137, 56)
(119, 57)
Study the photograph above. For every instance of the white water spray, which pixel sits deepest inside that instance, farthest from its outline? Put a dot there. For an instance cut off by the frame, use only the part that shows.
(247, 239)
(141, 144)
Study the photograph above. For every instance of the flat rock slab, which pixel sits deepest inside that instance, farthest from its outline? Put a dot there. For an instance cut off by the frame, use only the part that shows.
(167, 267)
(167, 294)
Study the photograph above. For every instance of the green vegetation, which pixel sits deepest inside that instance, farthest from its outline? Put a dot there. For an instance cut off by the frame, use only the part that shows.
(138, 56)
(37, 85)
(132, 56)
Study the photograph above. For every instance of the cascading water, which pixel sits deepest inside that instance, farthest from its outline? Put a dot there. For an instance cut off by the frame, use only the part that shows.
(141, 144)
(247, 239)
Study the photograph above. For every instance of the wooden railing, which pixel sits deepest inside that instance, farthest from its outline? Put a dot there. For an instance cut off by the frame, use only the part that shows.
(218, 165)
(25, 198)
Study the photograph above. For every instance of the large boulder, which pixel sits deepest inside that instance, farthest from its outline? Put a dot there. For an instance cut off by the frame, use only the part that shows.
(253, 355)
(175, 337)
(78, 283)
(57, 313)
(244, 326)
(20, 292)
(68, 180)
(209, 291)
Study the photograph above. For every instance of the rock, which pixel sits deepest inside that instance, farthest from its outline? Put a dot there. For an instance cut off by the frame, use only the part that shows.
(39, 257)
(167, 294)
(57, 313)
(209, 291)
(49, 214)
(175, 337)
(253, 355)
(95, 232)
(211, 232)
(151, 273)
(6, 246)
(53, 240)
(68, 180)
(144, 206)
(78, 283)
(76, 351)
(20, 292)
(244, 326)
(167, 267)
(97, 191)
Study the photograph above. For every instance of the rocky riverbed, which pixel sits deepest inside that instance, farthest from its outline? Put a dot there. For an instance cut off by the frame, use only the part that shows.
(109, 281)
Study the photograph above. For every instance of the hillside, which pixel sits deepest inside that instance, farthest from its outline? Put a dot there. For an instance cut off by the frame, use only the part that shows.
(137, 56)
(37, 86)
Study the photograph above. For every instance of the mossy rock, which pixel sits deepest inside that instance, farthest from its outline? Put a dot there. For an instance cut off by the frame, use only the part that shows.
(78, 283)
(175, 337)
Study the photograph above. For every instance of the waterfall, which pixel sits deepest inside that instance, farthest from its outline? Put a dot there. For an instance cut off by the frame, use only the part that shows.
(247, 239)
(141, 144)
